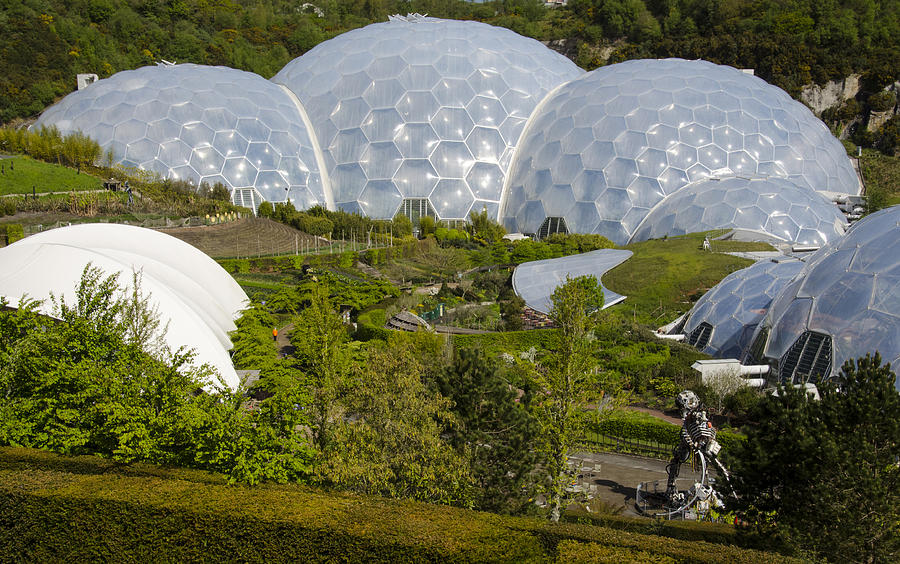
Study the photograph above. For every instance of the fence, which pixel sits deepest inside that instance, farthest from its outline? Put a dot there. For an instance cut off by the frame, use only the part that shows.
(598, 442)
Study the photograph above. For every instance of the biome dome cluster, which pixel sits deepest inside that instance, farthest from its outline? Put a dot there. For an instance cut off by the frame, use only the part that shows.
(422, 116)
(843, 304)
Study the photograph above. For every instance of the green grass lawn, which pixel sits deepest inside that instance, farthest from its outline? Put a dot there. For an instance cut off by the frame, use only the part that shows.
(20, 174)
(665, 276)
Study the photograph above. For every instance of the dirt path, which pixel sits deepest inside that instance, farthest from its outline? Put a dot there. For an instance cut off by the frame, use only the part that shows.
(285, 348)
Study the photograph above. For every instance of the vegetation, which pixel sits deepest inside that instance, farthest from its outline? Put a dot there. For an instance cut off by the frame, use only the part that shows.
(21, 174)
(665, 276)
(822, 475)
(87, 508)
(882, 174)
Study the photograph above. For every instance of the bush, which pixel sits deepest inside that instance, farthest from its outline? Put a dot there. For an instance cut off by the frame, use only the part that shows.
(58, 508)
(370, 325)
(882, 101)
(14, 232)
(7, 207)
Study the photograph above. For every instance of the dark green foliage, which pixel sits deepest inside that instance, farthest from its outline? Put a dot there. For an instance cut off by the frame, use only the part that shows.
(511, 313)
(54, 508)
(823, 475)
(482, 227)
(493, 430)
(253, 346)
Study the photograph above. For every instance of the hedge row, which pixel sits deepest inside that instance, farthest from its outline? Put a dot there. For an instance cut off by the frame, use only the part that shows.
(346, 259)
(54, 508)
(512, 342)
(629, 426)
(370, 325)
(11, 232)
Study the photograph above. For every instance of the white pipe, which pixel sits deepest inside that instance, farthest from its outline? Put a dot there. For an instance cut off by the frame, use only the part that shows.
(755, 382)
(670, 337)
(754, 369)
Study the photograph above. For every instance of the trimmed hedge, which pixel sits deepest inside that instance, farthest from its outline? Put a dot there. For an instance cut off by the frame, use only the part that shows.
(646, 428)
(54, 508)
(512, 342)
(370, 325)
(13, 232)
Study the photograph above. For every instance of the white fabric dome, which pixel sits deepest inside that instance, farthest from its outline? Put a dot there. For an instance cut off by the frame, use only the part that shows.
(193, 294)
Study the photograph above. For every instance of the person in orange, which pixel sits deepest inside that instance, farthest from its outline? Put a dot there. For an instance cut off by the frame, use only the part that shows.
(274, 333)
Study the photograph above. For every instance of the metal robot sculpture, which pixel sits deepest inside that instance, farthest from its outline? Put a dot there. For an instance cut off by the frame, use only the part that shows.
(697, 435)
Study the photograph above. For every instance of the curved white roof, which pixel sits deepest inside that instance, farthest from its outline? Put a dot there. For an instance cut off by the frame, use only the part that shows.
(535, 281)
(197, 298)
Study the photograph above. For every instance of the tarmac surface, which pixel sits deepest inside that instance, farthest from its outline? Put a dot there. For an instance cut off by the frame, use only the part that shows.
(617, 476)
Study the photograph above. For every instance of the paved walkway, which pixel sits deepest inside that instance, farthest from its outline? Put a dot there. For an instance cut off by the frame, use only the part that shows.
(617, 476)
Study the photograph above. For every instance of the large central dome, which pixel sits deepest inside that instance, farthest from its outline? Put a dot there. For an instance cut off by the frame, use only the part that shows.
(422, 108)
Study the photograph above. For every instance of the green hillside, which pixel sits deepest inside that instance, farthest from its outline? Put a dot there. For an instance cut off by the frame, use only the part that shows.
(20, 174)
(666, 276)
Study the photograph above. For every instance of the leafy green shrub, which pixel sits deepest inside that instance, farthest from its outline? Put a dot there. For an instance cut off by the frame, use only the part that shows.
(370, 325)
(7, 207)
(14, 232)
(631, 425)
(54, 508)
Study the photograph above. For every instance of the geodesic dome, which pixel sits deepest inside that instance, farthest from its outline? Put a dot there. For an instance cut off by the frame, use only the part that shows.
(200, 124)
(423, 109)
(607, 147)
(723, 320)
(844, 304)
(775, 208)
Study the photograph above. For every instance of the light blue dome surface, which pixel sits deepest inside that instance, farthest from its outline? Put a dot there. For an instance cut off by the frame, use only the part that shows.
(422, 108)
(607, 147)
(200, 124)
(723, 320)
(844, 304)
(775, 208)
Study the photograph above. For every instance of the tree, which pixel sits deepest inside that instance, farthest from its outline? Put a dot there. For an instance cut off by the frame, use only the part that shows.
(566, 381)
(493, 430)
(823, 475)
(319, 336)
(388, 439)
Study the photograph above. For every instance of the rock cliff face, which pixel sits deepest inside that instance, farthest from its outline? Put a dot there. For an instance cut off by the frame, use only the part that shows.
(820, 98)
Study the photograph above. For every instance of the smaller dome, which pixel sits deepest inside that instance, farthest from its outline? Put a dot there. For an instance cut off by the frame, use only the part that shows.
(844, 304)
(775, 208)
(722, 322)
(200, 124)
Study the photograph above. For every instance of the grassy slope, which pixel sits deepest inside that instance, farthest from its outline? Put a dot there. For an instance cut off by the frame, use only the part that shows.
(665, 276)
(882, 172)
(22, 173)
(76, 503)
